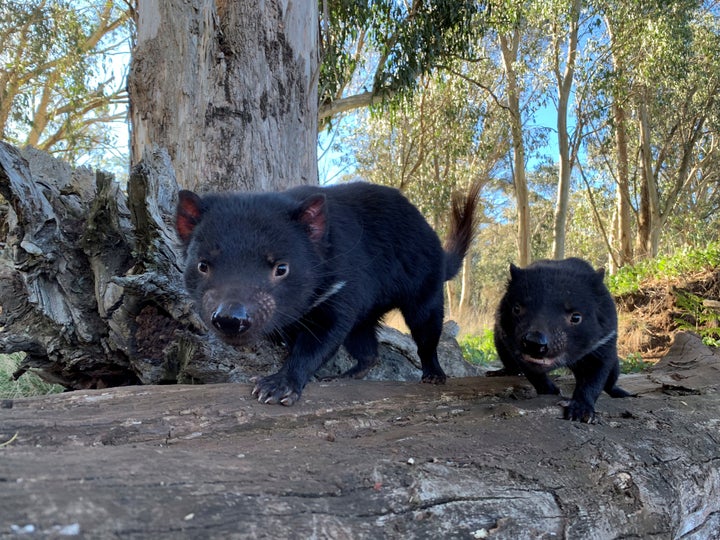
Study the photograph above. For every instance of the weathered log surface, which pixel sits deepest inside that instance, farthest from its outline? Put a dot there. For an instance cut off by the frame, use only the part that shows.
(478, 457)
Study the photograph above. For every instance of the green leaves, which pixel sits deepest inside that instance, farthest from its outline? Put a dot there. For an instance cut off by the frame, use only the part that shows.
(56, 85)
(385, 47)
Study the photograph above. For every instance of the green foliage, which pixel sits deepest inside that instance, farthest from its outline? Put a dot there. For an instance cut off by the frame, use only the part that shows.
(629, 278)
(634, 363)
(479, 349)
(59, 91)
(394, 43)
(27, 385)
(699, 317)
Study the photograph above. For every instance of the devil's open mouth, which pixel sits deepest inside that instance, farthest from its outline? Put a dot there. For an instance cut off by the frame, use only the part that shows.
(541, 362)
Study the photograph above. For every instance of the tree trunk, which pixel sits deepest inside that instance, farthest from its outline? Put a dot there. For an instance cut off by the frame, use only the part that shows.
(475, 458)
(623, 228)
(230, 89)
(565, 82)
(649, 217)
(509, 47)
(622, 231)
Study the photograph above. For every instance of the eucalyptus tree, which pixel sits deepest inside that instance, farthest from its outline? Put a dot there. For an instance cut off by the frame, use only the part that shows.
(565, 29)
(659, 81)
(239, 103)
(57, 89)
(516, 41)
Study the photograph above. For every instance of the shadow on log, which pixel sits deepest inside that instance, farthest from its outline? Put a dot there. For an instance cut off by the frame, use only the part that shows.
(477, 458)
(91, 285)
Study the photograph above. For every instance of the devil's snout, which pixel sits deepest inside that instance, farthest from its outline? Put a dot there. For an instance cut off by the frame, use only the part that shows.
(231, 319)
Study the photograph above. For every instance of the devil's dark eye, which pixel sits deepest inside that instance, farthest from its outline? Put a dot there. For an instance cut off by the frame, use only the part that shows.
(517, 309)
(281, 270)
(575, 318)
(203, 267)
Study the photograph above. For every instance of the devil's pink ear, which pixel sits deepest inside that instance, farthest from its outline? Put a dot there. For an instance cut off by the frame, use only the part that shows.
(187, 216)
(313, 215)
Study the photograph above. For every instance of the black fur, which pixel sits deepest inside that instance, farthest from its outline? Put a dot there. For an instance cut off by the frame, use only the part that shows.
(319, 267)
(555, 314)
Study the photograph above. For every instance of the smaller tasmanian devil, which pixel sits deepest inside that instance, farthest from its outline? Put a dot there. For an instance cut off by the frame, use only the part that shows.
(319, 267)
(560, 314)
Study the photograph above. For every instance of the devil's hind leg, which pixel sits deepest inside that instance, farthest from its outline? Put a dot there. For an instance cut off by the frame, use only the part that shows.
(425, 321)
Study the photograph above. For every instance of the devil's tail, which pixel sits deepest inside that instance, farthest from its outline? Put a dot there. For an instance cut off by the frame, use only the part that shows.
(462, 229)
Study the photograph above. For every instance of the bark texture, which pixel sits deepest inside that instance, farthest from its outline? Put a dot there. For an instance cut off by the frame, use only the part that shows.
(476, 458)
(230, 89)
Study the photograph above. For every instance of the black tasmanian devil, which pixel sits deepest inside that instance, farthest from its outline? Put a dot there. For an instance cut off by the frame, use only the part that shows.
(319, 267)
(560, 314)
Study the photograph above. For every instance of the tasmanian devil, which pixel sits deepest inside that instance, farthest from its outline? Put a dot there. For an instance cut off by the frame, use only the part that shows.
(555, 314)
(319, 267)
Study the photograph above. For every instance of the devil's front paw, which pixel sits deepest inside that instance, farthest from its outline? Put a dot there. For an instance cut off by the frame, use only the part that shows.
(434, 377)
(578, 411)
(277, 388)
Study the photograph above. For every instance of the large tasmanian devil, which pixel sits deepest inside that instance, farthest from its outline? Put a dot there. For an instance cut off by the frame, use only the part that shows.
(319, 267)
(560, 314)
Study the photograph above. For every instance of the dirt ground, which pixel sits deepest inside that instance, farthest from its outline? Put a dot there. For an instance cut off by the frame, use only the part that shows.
(649, 318)
(476, 458)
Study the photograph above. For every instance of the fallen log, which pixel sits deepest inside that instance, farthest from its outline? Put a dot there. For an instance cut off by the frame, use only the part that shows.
(476, 458)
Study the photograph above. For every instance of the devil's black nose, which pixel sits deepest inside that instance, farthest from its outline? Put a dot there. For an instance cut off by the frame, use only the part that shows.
(231, 319)
(535, 344)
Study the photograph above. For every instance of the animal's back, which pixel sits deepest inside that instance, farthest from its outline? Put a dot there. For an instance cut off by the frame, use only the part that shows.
(380, 241)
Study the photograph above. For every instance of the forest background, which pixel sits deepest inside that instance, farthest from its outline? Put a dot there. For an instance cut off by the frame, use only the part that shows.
(593, 125)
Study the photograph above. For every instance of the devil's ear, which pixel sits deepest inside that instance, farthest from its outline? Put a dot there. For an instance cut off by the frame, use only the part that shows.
(515, 272)
(313, 214)
(188, 214)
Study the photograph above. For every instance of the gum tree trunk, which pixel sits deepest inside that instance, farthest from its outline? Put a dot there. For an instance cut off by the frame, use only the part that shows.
(622, 226)
(567, 152)
(509, 47)
(229, 89)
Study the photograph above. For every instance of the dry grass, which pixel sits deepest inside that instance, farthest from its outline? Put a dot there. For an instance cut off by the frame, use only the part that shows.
(27, 385)
(471, 323)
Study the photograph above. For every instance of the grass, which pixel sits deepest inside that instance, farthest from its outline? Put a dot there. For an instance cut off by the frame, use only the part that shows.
(698, 317)
(27, 385)
(479, 349)
(634, 363)
(686, 261)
